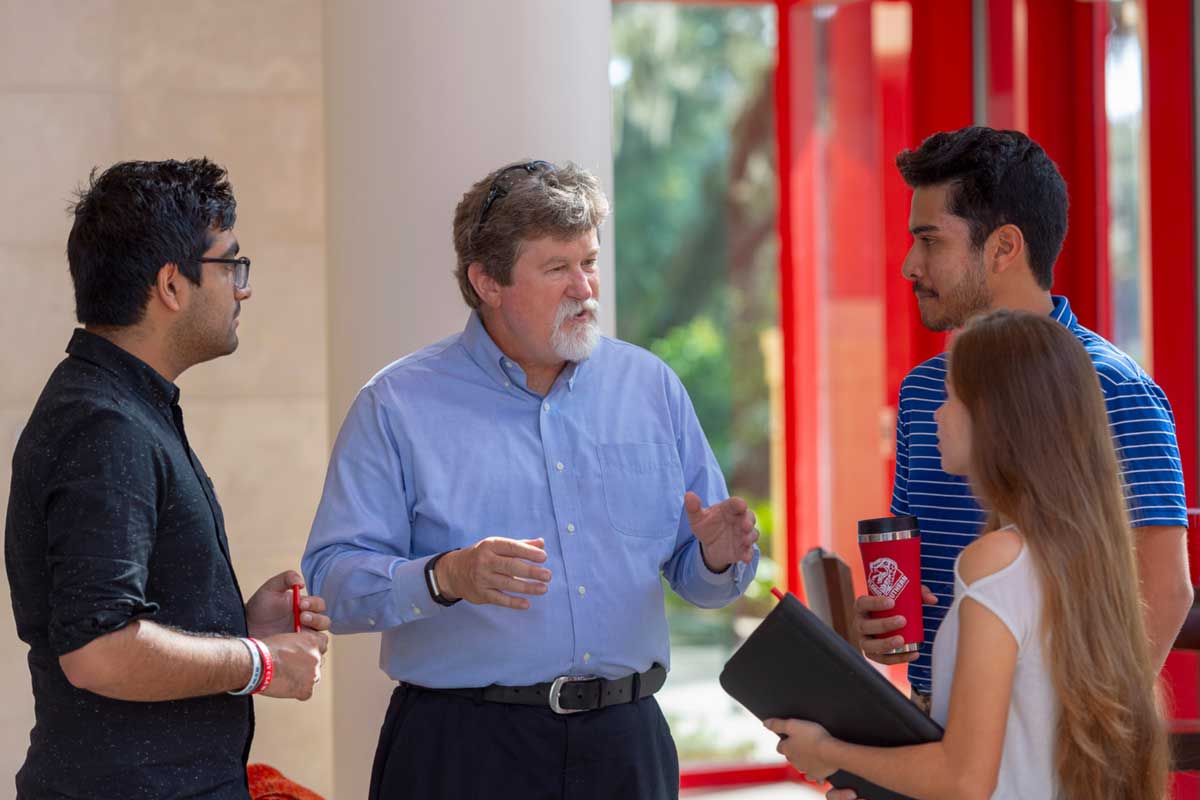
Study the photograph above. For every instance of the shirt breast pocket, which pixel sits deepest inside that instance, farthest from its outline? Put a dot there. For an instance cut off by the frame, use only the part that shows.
(643, 488)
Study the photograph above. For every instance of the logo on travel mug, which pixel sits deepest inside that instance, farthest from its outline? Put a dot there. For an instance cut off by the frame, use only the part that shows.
(891, 552)
(885, 578)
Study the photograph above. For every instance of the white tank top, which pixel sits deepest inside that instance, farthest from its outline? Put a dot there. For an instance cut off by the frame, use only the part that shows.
(1014, 594)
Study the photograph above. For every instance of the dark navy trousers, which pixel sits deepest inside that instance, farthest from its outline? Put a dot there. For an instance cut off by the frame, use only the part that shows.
(437, 746)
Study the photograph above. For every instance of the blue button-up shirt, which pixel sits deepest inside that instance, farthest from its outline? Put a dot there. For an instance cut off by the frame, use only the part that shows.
(448, 446)
(1143, 430)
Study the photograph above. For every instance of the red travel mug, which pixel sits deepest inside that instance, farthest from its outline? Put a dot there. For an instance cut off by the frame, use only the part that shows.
(891, 554)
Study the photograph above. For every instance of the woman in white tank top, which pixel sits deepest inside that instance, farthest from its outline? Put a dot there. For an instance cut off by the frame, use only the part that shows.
(1042, 672)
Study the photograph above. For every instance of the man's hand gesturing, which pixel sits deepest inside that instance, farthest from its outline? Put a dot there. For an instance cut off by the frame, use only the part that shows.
(726, 531)
(489, 571)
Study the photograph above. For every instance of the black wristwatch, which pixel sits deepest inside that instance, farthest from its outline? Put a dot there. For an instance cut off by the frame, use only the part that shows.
(431, 581)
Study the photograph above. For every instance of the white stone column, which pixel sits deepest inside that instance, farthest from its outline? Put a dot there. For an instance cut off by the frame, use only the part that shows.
(424, 97)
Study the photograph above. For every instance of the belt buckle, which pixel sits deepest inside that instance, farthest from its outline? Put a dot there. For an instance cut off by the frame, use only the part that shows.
(556, 692)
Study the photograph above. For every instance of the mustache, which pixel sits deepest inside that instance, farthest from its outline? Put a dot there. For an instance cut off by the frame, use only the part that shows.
(570, 307)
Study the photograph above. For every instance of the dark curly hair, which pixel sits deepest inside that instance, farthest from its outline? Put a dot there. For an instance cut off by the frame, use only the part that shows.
(134, 218)
(996, 178)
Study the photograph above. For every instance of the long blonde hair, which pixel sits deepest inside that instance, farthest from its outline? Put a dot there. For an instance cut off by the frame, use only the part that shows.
(1042, 458)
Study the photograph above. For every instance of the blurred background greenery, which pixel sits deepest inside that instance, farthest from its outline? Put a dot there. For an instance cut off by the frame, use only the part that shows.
(695, 209)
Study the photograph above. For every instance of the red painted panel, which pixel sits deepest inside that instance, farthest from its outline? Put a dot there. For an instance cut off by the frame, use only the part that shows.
(1003, 103)
(1182, 677)
(1181, 681)
(1169, 108)
(1065, 112)
(1185, 785)
(942, 66)
(854, 210)
(740, 775)
(929, 91)
(1066, 116)
(1171, 132)
(896, 134)
(941, 97)
(794, 114)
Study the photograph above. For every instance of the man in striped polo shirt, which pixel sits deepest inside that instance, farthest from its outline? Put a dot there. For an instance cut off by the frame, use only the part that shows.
(988, 219)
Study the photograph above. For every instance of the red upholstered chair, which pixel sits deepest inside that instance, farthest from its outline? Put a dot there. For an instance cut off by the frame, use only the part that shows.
(268, 783)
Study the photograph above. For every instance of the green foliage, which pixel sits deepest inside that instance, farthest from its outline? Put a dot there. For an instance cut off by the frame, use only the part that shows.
(694, 212)
(687, 74)
(699, 354)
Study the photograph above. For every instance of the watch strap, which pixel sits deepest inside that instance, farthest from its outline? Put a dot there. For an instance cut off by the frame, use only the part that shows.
(431, 584)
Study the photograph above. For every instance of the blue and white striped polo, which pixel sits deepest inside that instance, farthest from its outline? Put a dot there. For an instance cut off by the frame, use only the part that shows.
(1143, 430)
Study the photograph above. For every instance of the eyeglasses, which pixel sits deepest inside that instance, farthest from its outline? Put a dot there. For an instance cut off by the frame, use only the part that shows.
(502, 185)
(241, 269)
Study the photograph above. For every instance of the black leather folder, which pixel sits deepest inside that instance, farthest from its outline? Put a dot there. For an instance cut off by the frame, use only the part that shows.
(796, 666)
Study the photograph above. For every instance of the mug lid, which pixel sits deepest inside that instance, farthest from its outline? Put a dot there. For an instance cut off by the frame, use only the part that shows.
(904, 522)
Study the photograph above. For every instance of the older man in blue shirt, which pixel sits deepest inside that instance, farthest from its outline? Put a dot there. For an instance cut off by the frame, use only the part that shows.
(546, 475)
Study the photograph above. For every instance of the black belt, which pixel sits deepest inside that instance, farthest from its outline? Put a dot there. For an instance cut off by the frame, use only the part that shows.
(568, 694)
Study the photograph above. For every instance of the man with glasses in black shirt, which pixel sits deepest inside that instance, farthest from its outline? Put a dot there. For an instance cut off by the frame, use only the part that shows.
(142, 653)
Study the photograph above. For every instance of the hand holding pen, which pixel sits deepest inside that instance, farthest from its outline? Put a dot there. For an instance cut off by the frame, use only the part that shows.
(296, 606)
(292, 628)
(279, 607)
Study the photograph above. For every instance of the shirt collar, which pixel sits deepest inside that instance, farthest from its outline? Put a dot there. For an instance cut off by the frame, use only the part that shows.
(1062, 311)
(135, 373)
(484, 351)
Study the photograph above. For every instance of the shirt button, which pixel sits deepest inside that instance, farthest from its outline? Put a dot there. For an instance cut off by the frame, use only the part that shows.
(545, 406)
(570, 527)
(587, 657)
(417, 610)
(507, 384)
(582, 591)
(559, 466)
(371, 622)
(508, 364)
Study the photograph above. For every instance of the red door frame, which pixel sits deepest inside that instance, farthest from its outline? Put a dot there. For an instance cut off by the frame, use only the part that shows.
(941, 56)
(1062, 43)
(1170, 126)
(1171, 129)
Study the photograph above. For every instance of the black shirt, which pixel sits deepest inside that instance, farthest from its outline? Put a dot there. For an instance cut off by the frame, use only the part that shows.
(111, 518)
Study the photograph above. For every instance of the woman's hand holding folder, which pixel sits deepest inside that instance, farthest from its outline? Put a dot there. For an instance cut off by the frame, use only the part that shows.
(800, 743)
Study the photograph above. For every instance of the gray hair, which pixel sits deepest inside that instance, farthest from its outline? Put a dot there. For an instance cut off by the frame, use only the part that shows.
(562, 202)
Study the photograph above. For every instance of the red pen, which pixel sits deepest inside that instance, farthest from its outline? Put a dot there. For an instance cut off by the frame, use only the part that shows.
(778, 594)
(296, 606)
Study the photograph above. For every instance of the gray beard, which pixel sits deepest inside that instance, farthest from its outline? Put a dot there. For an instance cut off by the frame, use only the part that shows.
(576, 345)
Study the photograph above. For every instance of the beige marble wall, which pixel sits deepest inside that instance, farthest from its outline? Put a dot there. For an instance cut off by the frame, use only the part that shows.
(85, 83)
